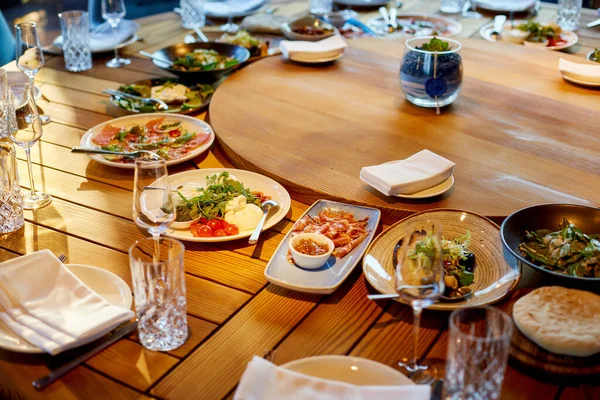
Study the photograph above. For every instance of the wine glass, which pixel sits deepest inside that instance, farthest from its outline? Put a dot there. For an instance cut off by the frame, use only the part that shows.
(29, 55)
(153, 208)
(230, 26)
(25, 130)
(113, 11)
(420, 283)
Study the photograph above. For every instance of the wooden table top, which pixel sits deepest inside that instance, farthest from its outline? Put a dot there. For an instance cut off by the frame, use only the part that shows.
(233, 313)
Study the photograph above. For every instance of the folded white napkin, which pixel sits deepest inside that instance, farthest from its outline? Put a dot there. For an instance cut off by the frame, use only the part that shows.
(581, 72)
(507, 5)
(301, 50)
(224, 8)
(418, 172)
(263, 380)
(103, 38)
(45, 304)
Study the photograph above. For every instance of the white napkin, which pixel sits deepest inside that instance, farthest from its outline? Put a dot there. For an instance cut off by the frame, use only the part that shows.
(263, 380)
(103, 38)
(580, 72)
(418, 172)
(224, 8)
(45, 304)
(506, 5)
(302, 50)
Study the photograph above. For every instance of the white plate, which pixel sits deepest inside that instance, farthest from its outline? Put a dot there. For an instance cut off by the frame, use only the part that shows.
(328, 278)
(486, 33)
(190, 123)
(108, 285)
(252, 181)
(317, 61)
(353, 370)
(582, 83)
(454, 27)
(237, 14)
(432, 191)
(51, 49)
(506, 5)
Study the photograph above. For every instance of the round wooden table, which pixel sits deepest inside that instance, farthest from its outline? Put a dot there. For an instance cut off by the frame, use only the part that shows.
(518, 133)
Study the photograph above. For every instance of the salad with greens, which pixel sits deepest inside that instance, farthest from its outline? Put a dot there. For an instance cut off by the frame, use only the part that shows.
(459, 262)
(595, 56)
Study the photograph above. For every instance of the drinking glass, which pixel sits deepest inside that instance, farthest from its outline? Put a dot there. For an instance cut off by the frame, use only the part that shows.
(159, 293)
(192, 13)
(478, 348)
(452, 6)
(473, 14)
(29, 55)
(75, 26)
(569, 12)
(320, 7)
(113, 11)
(25, 132)
(230, 26)
(420, 283)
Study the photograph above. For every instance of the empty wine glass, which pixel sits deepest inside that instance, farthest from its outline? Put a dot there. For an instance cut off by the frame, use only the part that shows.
(420, 283)
(29, 55)
(230, 26)
(113, 11)
(25, 130)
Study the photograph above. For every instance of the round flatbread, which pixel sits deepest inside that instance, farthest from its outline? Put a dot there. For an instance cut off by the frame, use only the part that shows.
(560, 320)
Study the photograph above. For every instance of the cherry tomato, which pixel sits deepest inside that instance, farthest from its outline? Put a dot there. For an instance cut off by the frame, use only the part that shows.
(215, 224)
(174, 133)
(220, 233)
(203, 221)
(201, 231)
(232, 229)
(224, 224)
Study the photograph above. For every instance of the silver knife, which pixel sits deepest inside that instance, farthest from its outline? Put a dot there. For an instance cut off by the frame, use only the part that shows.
(112, 337)
(593, 23)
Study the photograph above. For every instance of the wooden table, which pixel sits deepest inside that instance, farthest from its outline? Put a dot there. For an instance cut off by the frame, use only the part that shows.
(233, 312)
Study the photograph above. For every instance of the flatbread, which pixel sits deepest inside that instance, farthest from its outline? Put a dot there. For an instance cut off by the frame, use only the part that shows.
(560, 320)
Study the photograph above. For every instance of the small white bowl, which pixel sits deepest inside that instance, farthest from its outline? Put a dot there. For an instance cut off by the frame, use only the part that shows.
(311, 262)
(513, 35)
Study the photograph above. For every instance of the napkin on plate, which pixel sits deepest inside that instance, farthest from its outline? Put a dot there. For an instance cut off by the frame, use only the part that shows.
(301, 50)
(103, 37)
(580, 72)
(45, 304)
(224, 8)
(418, 172)
(263, 380)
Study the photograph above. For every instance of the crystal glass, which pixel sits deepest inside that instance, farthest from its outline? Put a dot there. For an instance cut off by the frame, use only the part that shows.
(75, 26)
(25, 132)
(569, 12)
(321, 7)
(113, 11)
(29, 56)
(230, 26)
(192, 13)
(431, 79)
(452, 6)
(478, 349)
(159, 293)
(420, 283)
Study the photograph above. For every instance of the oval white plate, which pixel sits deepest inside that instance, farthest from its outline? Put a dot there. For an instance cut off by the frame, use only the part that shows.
(57, 50)
(454, 27)
(486, 33)
(190, 123)
(353, 370)
(432, 191)
(108, 285)
(579, 82)
(317, 61)
(252, 181)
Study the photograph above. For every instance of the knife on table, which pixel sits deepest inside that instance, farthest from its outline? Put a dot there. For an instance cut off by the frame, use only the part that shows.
(594, 23)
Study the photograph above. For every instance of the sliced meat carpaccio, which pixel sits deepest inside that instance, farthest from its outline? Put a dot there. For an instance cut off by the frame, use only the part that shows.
(106, 135)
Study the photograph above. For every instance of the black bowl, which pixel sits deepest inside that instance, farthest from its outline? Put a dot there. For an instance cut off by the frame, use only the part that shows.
(171, 53)
(550, 216)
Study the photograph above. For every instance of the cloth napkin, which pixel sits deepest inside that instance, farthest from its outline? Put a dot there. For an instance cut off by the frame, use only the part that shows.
(418, 172)
(263, 380)
(45, 304)
(224, 8)
(103, 37)
(302, 50)
(507, 5)
(581, 72)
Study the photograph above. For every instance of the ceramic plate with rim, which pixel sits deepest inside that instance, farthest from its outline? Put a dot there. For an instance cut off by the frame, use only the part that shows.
(580, 82)
(454, 27)
(353, 370)
(317, 61)
(108, 285)
(190, 123)
(432, 191)
(252, 181)
(571, 37)
(506, 5)
(329, 277)
(496, 271)
(235, 14)
(57, 50)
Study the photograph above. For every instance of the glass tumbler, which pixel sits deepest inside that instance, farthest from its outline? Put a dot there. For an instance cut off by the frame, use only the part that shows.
(158, 277)
(192, 13)
(478, 349)
(75, 26)
(569, 12)
(452, 6)
(321, 7)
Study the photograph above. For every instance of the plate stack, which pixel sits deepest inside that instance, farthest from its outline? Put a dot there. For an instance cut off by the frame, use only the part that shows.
(325, 50)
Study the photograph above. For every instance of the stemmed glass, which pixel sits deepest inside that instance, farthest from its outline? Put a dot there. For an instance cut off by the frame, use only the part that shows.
(113, 11)
(25, 130)
(420, 283)
(473, 14)
(230, 26)
(29, 55)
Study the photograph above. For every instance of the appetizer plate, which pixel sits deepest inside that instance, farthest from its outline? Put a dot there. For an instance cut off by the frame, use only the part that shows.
(580, 82)
(353, 370)
(57, 50)
(252, 181)
(496, 273)
(432, 191)
(108, 285)
(190, 123)
(328, 278)
(487, 29)
(453, 27)
(317, 61)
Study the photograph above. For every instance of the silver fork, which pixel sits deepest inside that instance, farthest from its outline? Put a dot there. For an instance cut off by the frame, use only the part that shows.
(62, 258)
(134, 154)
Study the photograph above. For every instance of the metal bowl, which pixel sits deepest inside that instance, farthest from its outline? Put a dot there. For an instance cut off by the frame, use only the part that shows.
(550, 216)
(288, 29)
(171, 53)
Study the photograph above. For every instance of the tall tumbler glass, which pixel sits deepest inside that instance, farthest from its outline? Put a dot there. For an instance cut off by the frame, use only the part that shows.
(75, 27)
(477, 353)
(159, 293)
(192, 13)
(569, 12)
(321, 7)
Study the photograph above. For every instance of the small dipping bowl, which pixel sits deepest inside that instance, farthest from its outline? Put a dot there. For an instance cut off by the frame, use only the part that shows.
(311, 262)
(288, 29)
